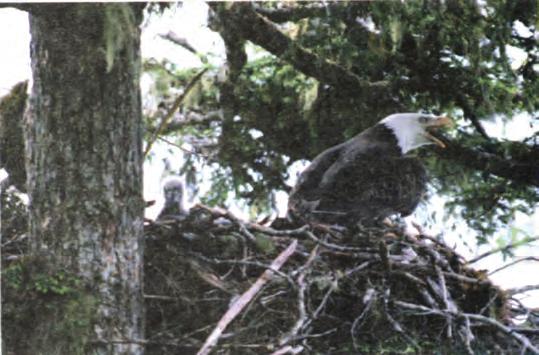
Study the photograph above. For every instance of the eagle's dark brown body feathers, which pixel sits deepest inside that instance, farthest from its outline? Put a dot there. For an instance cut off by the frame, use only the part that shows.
(366, 178)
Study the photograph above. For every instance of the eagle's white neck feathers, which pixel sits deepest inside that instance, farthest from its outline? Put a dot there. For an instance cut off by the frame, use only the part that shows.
(408, 129)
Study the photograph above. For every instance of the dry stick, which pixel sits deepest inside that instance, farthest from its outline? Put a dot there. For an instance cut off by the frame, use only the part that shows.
(466, 279)
(322, 304)
(337, 247)
(159, 297)
(245, 298)
(316, 335)
(517, 290)
(489, 303)
(448, 303)
(303, 317)
(245, 262)
(355, 269)
(302, 311)
(174, 108)
(507, 330)
(501, 249)
(288, 350)
(287, 232)
(182, 148)
(174, 38)
(468, 336)
(532, 331)
(333, 288)
(396, 325)
(399, 329)
(527, 258)
(221, 212)
(421, 288)
(490, 321)
(428, 269)
(368, 299)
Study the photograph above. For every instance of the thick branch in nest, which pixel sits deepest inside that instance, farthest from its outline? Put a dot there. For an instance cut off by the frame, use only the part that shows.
(240, 303)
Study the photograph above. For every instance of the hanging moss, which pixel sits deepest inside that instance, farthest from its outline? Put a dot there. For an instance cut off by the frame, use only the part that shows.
(11, 134)
(120, 25)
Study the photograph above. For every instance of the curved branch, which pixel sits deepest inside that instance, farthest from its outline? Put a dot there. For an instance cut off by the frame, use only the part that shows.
(182, 42)
(293, 13)
(526, 343)
(262, 32)
(466, 106)
(188, 119)
(516, 170)
(527, 258)
(504, 248)
(309, 10)
(171, 110)
(523, 289)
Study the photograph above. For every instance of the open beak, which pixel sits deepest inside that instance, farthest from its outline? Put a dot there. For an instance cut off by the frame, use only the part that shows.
(437, 123)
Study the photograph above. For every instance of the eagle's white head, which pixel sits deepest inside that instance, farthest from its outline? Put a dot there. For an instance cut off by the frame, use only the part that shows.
(411, 129)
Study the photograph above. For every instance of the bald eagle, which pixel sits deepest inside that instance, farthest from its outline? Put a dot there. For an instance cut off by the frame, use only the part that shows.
(368, 177)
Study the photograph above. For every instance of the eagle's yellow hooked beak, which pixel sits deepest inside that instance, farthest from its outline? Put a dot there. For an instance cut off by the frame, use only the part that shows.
(438, 122)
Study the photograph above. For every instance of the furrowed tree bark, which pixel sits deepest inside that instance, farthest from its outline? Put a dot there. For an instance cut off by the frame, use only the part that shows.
(84, 149)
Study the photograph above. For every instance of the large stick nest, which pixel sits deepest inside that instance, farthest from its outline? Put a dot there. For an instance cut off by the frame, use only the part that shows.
(216, 283)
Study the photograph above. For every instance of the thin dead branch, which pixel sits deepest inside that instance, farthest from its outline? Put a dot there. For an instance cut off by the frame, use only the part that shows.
(522, 289)
(482, 319)
(245, 298)
(182, 42)
(175, 106)
(504, 249)
(528, 258)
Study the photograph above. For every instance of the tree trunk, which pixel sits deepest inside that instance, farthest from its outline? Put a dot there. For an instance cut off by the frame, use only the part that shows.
(84, 149)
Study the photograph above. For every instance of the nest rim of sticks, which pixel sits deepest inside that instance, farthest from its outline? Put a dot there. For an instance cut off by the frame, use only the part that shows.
(317, 288)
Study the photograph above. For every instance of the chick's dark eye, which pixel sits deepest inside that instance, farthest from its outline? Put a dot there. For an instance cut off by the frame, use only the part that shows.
(424, 119)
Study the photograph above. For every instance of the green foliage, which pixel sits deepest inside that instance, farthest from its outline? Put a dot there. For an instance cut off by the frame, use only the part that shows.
(264, 244)
(220, 189)
(439, 56)
(12, 276)
(58, 284)
(488, 203)
(32, 290)
(30, 275)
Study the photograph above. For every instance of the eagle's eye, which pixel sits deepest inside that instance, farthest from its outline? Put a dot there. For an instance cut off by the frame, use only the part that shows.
(424, 119)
